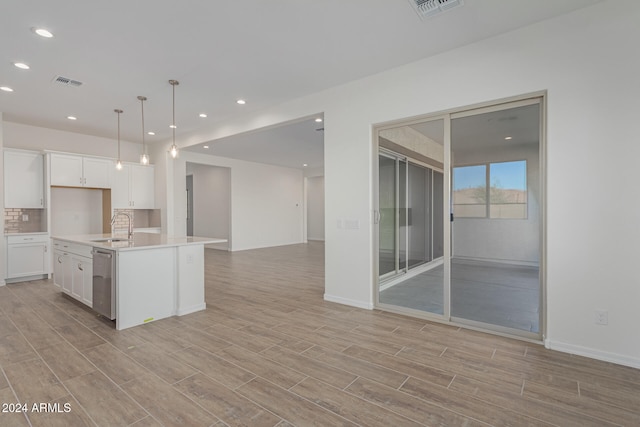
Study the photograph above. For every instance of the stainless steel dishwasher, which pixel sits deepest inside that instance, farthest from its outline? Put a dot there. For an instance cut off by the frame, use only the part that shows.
(104, 282)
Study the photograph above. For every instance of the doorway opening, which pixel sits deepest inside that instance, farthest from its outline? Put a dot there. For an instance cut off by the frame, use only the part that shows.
(209, 203)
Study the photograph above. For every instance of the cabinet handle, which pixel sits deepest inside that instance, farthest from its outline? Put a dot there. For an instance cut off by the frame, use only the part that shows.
(80, 267)
(41, 203)
(27, 238)
(45, 248)
(59, 260)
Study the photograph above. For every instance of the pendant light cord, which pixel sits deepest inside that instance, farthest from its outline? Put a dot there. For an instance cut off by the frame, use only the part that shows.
(174, 148)
(118, 111)
(173, 86)
(144, 148)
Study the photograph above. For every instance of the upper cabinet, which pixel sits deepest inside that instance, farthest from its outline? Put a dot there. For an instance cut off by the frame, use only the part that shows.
(23, 179)
(133, 187)
(68, 170)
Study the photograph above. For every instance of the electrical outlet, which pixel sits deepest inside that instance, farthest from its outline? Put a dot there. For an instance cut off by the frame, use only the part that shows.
(25, 217)
(602, 317)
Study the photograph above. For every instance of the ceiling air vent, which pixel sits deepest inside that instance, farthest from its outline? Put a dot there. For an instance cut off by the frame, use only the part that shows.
(429, 8)
(65, 81)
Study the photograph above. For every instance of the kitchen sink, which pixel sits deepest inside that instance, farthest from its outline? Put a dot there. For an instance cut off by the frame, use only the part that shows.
(111, 240)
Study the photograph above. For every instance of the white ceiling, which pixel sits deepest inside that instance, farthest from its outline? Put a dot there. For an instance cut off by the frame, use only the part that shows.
(266, 52)
(291, 145)
(490, 129)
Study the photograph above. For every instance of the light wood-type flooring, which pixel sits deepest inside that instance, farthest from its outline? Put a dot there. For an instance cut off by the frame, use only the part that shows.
(269, 351)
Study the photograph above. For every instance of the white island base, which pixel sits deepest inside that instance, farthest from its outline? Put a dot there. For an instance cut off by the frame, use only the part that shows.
(158, 282)
(156, 276)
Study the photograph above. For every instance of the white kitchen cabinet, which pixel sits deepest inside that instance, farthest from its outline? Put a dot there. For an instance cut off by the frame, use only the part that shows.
(23, 179)
(82, 279)
(27, 256)
(58, 268)
(133, 187)
(68, 170)
(73, 270)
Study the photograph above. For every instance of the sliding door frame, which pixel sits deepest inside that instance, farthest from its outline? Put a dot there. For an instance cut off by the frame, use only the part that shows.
(376, 216)
(447, 115)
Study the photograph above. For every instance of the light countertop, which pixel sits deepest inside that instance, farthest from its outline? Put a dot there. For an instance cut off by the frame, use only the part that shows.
(139, 241)
(31, 233)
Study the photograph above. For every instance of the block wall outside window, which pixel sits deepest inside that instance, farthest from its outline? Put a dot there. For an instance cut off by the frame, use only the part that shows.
(492, 190)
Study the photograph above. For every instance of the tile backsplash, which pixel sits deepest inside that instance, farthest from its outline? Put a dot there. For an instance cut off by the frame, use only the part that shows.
(142, 218)
(20, 220)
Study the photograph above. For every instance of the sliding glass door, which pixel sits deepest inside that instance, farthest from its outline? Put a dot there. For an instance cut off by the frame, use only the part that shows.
(459, 218)
(391, 259)
(410, 217)
(495, 193)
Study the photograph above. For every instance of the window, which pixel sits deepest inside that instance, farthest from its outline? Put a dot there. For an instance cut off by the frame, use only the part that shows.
(493, 190)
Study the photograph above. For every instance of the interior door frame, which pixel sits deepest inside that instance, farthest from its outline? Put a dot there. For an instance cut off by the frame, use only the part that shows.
(540, 98)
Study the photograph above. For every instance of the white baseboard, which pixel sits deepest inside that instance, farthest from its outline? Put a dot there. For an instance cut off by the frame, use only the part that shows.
(2, 283)
(192, 309)
(350, 302)
(592, 353)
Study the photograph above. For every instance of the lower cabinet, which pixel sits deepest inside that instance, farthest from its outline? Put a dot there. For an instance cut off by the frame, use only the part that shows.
(27, 256)
(73, 270)
(82, 276)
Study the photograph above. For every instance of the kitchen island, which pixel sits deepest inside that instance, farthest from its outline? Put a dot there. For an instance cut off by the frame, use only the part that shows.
(155, 275)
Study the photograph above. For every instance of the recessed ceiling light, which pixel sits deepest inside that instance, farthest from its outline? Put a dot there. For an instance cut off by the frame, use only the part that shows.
(508, 137)
(319, 120)
(72, 118)
(21, 65)
(151, 133)
(42, 32)
(241, 101)
(203, 115)
(305, 165)
(173, 126)
(6, 88)
(205, 146)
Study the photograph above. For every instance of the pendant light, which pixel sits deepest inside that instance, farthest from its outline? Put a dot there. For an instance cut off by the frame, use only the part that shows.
(144, 157)
(173, 150)
(118, 163)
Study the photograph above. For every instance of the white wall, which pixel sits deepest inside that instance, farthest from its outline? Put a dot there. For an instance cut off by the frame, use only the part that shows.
(37, 138)
(3, 255)
(75, 211)
(266, 201)
(211, 202)
(586, 62)
(315, 208)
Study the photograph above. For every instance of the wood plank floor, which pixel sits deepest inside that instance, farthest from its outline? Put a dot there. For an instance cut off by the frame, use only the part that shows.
(268, 351)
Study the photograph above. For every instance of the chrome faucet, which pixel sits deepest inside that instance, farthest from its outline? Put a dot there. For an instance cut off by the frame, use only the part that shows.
(113, 220)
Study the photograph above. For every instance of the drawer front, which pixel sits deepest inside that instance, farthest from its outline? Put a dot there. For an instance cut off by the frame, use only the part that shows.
(74, 248)
(27, 238)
